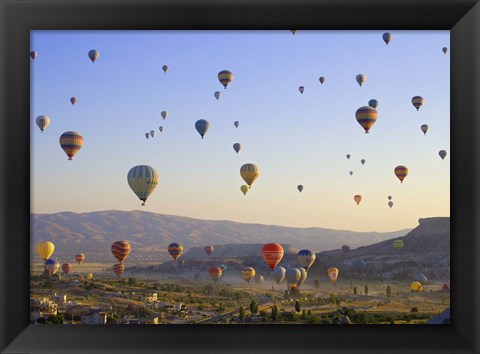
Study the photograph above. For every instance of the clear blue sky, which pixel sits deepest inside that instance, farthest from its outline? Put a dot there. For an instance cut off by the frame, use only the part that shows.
(293, 138)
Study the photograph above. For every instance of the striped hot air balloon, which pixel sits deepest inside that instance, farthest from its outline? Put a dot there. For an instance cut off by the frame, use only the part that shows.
(272, 254)
(366, 117)
(215, 273)
(66, 268)
(119, 268)
(401, 172)
(80, 258)
(248, 273)
(175, 250)
(357, 198)
(71, 142)
(418, 102)
(225, 77)
(249, 173)
(121, 250)
(209, 250)
(143, 180)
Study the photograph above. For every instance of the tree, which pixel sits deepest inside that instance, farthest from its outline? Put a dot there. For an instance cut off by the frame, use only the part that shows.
(316, 284)
(241, 313)
(332, 299)
(297, 306)
(132, 281)
(366, 289)
(274, 313)
(355, 290)
(388, 292)
(253, 307)
(414, 310)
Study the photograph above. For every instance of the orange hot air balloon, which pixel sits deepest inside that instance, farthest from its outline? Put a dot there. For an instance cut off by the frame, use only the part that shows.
(119, 268)
(401, 172)
(333, 274)
(121, 249)
(209, 250)
(366, 116)
(215, 273)
(66, 268)
(357, 199)
(272, 254)
(80, 258)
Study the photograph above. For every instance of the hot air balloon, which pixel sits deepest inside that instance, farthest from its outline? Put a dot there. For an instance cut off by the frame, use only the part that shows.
(293, 275)
(421, 278)
(225, 77)
(398, 244)
(93, 55)
(345, 248)
(272, 254)
(390, 204)
(387, 37)
(80, 257)
(152, 133)
(301, 89)
(147, 135)
(373, 103)
(120, 250)
(366, 117)
(215, 273)
(357, 198)
(444, 50)
(259, 280)
(209, 250)
(236, 123)
(119, 268)
(42, 122)
(71, 142)
(348, 156)
(143, 180)
(248, 273)
(45, 249)
(416, 286)
(73, 100)
(175, 250)
(359, 265)
(202, 126)
(300, 188)
(303, 277)
(33, 55)
(389, 197)
(322, 80)
(160, 128)
(333, 275)
(278, 274)
(424, 129)
(293, 31)
(52, 265)
(217, 95)
(417, 102)
(362, 161)
(249, 173)
(244, 188)
(223, 267)
(237, 147)
(351, 173)
(89, 276)
(361, 78)
(164, 114)
(306, 258)
(401, 172)
(442, 154)
(66, 268)
(165, 68)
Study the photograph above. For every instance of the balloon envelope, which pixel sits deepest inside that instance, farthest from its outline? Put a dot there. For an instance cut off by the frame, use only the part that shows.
(303, 277)
(444, 50)
(33, 55)
(248, 273)
(175, 250)
(236, 123)
(357, 198)
(118, 269)
(278, 274)
(79, 258)
(272, 254)
(306, 258)
(244, 188)
(215, 273)
(322, 79)
(416, 286)
(71, 143)
(333, 274)
(164, 114)
(217, 95)
(361, 78)
(120, 250)
(66, 268)
(424, 129)
(387, 37)
(202, 127)
(292, 275)
(52, 265)
(165, 68)
(398, 244)
(418, 102)
(225, 77)
(301, 89)
(421, 278)
(209, 250)
(143, 180)
(442, 154)
(249, 172)
(237, 147)
(45, 249)
(373, 103)
(73, 100)
(366, 116)
(93, 55)
(401, 172)
(42, 122)
(362, 161)
(348, 156)
(390, 204)
(300, 188)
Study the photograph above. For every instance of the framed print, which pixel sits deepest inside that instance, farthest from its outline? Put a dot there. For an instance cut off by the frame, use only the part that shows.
(200, 177)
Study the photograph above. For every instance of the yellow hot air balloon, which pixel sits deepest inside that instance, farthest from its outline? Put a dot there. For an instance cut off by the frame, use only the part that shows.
(244, 189)
(401, 172)
(248, 274)
(249, 173)
(398, 244)
(333, 274)
(225, 77)
(416, 286)
(143, 179)
(89, 276)
(45, 249)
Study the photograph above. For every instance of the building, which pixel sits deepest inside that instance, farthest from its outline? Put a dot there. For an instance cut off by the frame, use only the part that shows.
(59, 299)
(151, 297)
(42, 308)
(94, 317)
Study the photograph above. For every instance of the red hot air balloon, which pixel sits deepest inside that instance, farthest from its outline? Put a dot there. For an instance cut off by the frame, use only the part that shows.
(357, 198)
(272, 254)
(215, 273)
(80, 258)
(209, 250)
(121, 249)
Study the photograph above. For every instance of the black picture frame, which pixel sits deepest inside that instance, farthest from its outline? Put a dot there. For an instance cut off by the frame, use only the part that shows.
(18, 17)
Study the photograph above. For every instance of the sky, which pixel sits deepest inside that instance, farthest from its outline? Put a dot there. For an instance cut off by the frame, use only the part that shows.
(293, 138)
